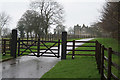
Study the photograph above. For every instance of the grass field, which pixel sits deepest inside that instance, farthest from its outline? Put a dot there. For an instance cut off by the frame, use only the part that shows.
(81, 66)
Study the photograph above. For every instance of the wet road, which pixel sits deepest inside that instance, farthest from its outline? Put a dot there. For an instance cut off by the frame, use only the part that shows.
(29, 66)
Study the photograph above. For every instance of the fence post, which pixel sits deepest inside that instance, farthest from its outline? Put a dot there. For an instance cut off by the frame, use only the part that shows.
(102, 63)
(38, 48)
(58, 48)
(109, 63)
(96, 52)
(64, 43)
(19, 47)
(73, 52)
(99, 56)
(13, 43)
(4, 48)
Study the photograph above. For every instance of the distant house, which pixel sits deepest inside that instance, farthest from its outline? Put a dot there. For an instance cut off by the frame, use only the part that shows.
(84, 30)
(77, 29)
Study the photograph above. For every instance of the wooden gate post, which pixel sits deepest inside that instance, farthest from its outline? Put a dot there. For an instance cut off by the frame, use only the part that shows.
(38, 48)
(64, 45)
(13, 43)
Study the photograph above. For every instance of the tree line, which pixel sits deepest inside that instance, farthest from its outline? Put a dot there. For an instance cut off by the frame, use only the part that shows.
(110, 19)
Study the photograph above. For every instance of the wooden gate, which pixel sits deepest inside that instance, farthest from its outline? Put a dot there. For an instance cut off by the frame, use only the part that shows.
(39, 48)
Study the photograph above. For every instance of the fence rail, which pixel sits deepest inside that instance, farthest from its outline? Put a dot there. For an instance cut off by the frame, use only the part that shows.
(100, 60)
(74, 46)
(5, 45)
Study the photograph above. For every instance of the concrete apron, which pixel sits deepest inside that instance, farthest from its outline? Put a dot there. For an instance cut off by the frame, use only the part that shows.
(31, 66)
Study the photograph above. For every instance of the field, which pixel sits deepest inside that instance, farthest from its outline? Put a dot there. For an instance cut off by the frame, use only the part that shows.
(81, 66)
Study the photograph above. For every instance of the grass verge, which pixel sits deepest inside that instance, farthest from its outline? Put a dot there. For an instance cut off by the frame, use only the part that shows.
(82, 67)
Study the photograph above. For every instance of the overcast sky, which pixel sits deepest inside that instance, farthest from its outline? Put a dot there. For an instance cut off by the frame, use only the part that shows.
(76, 11)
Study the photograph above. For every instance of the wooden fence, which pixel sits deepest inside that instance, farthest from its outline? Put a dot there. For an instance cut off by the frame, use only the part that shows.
(38, 48)
(99, 54)
(100, 60)
(5, 45)
(51, 37)
(75, 46)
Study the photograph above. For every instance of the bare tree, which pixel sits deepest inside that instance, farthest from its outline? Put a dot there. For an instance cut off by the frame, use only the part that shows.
(109, 20)
(4, 20)
(51, 12)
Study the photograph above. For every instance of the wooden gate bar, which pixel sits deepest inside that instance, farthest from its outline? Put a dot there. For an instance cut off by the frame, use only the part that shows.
(48, 48)
(28, 47)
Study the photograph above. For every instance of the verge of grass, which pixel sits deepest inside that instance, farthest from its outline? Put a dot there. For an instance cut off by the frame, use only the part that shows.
(113, 43)
(81, 67)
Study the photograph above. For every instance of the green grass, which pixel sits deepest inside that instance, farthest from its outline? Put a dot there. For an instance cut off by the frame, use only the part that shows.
(113, 43)
(81, 66)
(109, 42)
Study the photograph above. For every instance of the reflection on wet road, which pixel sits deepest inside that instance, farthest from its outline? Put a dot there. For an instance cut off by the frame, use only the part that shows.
(27, 67)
